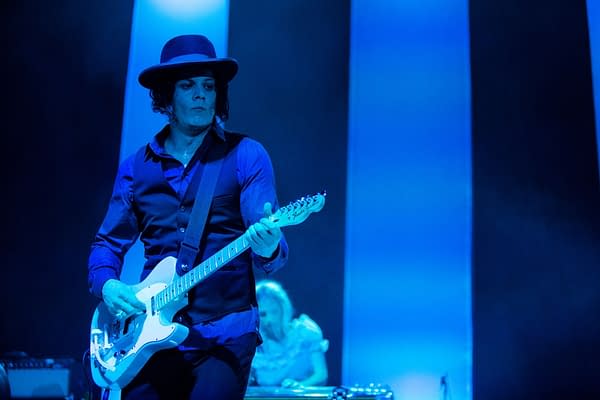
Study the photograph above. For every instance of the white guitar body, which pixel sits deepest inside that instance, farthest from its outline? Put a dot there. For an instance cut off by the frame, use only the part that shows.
(125, 345)
(119, 348)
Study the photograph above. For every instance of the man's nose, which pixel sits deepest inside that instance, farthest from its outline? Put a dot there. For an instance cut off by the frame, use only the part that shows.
(199, 94)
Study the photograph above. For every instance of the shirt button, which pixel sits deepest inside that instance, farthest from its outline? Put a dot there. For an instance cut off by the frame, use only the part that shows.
(182, 229)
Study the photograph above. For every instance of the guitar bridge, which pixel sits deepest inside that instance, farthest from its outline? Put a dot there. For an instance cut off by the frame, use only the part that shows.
(100, 343)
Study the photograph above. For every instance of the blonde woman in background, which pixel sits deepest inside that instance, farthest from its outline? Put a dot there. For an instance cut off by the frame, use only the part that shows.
(293, 350)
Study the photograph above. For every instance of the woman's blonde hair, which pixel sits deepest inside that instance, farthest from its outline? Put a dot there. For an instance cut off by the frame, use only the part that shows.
(267, 288)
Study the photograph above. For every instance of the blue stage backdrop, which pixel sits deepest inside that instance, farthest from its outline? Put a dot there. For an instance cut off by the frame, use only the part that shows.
(386, 133)
(408, 196)
(407, 317)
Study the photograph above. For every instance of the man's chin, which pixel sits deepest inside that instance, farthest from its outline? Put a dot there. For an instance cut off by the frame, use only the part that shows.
(198, 126)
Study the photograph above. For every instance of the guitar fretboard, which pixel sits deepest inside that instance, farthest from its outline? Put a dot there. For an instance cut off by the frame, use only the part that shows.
(182, 284)
(292, 214)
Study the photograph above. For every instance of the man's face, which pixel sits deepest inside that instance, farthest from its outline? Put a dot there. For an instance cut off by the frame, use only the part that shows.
(194, 101)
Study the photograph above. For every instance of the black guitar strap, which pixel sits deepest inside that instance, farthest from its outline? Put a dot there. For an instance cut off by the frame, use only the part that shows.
(208, 181)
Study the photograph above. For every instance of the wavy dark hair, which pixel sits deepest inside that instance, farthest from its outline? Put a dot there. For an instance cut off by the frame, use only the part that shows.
(162, 98)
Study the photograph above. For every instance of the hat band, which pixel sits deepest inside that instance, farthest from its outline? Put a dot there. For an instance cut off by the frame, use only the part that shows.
(188, 58)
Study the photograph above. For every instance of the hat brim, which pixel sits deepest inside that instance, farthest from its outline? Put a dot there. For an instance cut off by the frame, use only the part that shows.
(224, 69)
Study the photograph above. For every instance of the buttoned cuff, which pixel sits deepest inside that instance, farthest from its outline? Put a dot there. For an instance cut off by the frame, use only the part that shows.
(98, 278)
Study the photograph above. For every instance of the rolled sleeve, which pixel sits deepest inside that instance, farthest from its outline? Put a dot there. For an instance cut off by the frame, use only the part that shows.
(274, 262)
(257, 180)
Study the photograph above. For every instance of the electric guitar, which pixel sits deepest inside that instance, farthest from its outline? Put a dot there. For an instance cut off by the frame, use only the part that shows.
(119, 347)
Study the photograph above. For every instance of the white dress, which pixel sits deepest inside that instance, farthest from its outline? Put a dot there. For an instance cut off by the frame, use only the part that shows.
(276, 361)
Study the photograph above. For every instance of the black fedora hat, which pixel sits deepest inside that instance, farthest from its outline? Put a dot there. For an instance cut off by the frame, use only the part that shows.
(184, 55)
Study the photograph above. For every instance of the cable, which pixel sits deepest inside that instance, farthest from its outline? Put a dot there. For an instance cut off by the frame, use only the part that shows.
(85, 361)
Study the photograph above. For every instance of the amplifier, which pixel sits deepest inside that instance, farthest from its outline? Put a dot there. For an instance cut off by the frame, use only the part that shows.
(370, 392)
(38, 377)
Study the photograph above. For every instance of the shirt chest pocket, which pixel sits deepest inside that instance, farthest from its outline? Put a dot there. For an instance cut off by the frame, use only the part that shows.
(227, 201)
(225, 210)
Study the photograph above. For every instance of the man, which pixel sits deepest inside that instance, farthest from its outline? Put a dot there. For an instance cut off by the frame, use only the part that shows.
(154, 192)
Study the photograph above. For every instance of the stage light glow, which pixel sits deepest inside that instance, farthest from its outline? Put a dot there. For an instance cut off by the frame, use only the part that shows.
(408, 263)
(593, 11)
(187, 8)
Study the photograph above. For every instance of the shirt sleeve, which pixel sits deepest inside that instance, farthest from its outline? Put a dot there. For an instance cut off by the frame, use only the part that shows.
(116, 235)
(311, 335)
(257, 181)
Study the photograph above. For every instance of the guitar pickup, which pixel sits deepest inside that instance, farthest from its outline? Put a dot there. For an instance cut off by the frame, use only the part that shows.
(153, 305)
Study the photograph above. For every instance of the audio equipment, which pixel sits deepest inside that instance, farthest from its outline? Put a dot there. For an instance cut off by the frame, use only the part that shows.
(370, 392)
(30, 377)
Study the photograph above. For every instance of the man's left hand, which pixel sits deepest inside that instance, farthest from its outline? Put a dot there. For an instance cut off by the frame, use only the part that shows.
(264, 236)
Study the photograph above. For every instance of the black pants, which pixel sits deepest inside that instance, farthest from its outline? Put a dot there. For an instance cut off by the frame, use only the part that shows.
(219, 372)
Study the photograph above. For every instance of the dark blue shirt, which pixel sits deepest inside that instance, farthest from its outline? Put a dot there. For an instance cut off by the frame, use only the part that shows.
(119, 229)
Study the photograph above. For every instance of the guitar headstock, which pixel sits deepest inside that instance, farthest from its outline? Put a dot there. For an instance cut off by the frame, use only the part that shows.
(298, 211)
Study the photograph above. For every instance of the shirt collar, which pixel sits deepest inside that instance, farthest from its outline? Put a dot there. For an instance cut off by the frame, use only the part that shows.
(157, 144)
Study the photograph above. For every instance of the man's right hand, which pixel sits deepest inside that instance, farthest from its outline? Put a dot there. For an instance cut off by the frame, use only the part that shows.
(120, 299)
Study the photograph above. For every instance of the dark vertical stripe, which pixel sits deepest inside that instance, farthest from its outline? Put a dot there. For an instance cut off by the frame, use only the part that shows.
(291, 94)
(536, 202)
(64, 65)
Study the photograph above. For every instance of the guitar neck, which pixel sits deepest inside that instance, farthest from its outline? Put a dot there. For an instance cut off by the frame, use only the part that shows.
(292, 214)
(184, 283)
